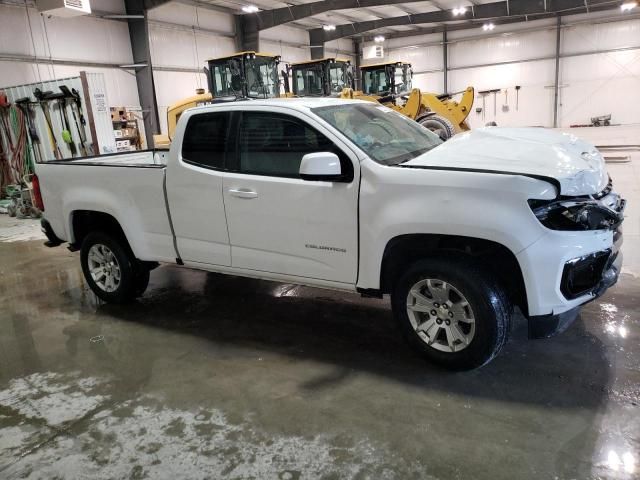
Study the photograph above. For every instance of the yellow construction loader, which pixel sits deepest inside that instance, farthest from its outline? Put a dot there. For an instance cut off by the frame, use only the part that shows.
(390, 84)
(238, 76)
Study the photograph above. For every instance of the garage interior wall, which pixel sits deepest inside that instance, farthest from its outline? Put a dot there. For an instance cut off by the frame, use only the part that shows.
(27, 36)
(599, 65)
(591, 83)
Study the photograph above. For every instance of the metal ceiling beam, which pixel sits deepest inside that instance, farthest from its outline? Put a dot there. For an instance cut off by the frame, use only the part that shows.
(494, 10)
(141, 51)
(497, 21)
(278, 16)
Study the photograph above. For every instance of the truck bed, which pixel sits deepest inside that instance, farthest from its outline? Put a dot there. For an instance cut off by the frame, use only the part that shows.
(127, 186)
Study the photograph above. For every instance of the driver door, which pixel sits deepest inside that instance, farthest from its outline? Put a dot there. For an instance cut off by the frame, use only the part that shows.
(279, 223)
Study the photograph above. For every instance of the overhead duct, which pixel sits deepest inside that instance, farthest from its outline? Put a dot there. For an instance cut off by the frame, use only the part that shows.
(64, 8)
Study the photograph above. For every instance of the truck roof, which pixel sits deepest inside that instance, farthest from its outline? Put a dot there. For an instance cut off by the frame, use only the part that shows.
(301, 103)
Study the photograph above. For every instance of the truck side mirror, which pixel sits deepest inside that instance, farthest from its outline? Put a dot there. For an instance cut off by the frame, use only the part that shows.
(321, 166)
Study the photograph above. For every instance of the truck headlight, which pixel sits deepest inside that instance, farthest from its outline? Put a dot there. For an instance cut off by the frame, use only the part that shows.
(576, 214)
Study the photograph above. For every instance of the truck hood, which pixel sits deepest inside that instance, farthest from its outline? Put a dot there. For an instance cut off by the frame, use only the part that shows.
(576, 165)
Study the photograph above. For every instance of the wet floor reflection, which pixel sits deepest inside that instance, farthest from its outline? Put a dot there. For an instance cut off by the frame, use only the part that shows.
(325, 370)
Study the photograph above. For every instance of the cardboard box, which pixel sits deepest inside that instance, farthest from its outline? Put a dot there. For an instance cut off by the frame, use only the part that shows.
(118, 114)
(129, 132)
(123, 144)
(118, 133)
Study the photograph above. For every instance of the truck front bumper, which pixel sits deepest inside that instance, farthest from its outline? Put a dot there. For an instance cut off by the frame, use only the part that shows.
(563, 271)
(545, 326)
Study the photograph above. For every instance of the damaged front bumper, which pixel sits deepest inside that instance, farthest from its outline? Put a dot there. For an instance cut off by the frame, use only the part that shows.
(607, 273)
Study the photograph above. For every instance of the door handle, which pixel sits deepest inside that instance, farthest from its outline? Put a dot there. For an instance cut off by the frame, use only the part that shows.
(243, 193)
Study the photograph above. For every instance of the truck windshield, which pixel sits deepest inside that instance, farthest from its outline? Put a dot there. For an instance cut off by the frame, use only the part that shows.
(385, 135)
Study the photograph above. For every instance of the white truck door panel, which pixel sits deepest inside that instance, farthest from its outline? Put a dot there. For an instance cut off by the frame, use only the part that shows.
(194, 190)
(292, 226)
(286, 225)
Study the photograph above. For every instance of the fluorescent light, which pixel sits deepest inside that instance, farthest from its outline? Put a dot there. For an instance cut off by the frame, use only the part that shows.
(625, 7)
(459, 11)
(250, 9)
(488, 26)
(378, 39)
(134, 65)
(329, 28)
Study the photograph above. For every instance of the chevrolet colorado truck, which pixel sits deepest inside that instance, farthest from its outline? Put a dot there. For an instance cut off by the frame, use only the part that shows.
(354, 196)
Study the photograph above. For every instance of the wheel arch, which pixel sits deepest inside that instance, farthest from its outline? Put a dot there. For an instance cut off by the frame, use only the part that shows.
(402, 250)
(83, 222)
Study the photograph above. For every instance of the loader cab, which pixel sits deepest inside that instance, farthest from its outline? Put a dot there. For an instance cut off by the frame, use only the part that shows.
(244, 75)
(326, 77)
(387, 78)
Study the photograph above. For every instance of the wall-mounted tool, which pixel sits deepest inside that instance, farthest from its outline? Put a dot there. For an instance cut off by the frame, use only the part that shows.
(517, 96)
(484, 94)
(505, 105)
(44, 105)
(24, 104)
(74, 99)
(64, 118)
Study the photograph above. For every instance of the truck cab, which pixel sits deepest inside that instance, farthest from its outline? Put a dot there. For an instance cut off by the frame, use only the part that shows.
(326, 77)
(244, 75)
(390, 78)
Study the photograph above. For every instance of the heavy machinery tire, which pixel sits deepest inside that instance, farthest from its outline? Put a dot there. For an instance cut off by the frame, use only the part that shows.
(110, 268)
(439, 125)
(452, 311)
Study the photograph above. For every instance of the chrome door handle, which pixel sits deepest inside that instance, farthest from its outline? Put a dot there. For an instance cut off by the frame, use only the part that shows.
(243, 193)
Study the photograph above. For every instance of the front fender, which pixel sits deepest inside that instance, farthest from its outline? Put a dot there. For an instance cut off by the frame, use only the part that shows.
(396, 201)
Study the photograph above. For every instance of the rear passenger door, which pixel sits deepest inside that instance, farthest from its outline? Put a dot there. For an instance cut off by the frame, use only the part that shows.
(278, 222)
(194, 189)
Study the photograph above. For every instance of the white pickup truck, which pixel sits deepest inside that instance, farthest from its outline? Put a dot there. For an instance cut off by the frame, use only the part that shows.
(353, 196)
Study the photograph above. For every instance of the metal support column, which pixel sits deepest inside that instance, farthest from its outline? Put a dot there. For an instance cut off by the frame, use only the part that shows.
(445, 60)
(356, 69)
(139, 36)
(247, 33)
(556, 85)
(316, 43)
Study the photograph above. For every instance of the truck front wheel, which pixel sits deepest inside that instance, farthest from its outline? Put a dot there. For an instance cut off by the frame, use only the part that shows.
(452, 311)
(110, 268)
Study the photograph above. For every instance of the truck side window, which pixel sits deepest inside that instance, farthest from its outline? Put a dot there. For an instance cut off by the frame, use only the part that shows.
(274, 144)
(205, 139)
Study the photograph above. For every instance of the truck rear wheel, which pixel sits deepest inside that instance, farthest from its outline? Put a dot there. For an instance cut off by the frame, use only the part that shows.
(452, 312)
(110, 268)
(439, 125)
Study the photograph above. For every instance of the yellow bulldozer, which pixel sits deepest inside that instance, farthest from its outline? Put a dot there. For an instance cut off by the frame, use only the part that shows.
(390, 83)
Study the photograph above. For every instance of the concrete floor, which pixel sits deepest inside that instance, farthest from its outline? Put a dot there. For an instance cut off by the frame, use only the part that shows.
(222, 377)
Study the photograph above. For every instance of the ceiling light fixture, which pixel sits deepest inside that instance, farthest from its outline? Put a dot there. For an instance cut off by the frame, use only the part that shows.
(627, 6)
(459, 11)
(488, 27)
(378, 39)
(250, 9)
(329, 28)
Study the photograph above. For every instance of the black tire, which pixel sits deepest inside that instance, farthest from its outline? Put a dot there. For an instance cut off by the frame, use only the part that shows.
(488, 301)
(129, 283)
(439, 125)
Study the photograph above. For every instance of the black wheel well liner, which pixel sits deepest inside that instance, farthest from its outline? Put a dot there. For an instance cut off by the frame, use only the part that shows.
(403, 250)
(83, 222)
